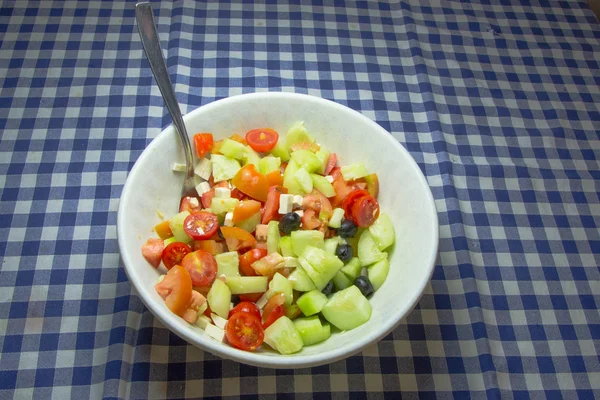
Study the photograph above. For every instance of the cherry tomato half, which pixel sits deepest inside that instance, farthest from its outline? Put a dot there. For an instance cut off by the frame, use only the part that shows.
(331, 163)
(176, 289)
(273, 309)
(263, 139)
(237, 238)
(251, 182)
(201, 225)
(349, 201)
(245, 306)
(272, 203)
(245, 209)
(204, 143)
(202, 267)
(244, 331)
(174, 253)
(248, 258)
(365, 211)
(277, 312)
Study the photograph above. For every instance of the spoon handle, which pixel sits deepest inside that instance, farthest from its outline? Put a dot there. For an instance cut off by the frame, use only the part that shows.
(151, 43)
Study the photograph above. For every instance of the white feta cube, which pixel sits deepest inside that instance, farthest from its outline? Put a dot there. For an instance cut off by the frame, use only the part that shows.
(178, 167)
(228, 219)
(204, 169)
(261, 232)
(329, 178)
(219, 322)
(297, 201)
(222, 193)
(214, 332)
(286, 203)
(202, 188)
(194, 203)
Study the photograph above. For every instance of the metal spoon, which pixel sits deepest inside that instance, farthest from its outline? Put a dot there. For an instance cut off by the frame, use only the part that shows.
(147, 28)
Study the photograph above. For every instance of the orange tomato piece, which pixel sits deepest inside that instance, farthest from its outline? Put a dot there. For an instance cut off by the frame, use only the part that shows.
(217, 147)
(245, 209)
(251, 182)
(238, 139)
(204, 143)
(275, 178)
(176, 289)
(237, 238)
(163, 230)
(211, 246)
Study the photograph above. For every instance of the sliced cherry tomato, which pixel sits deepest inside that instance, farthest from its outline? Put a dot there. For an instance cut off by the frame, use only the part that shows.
(272, 205)
(273, 309)
(275, 178)
(237, 238)
(245, 209)
(204, 143)
(208, 196)
(201, 225)
(278, 311)
(189, 204)
(268, 265)
(331, 163)
(152, 251)
(237, 194)
(212, 246)
(350, 200)
(263, 139)
(174, 253)
(251, 182)
(248, 258)
(343, 188)
(306, 146)
(365, 211)
(310, 220)
(176, 289)
(253, 297)
(245, 306)
(238, 139)
(201, 266)
(163, 230)
(191, 313)
(244, 331)
(317, 202)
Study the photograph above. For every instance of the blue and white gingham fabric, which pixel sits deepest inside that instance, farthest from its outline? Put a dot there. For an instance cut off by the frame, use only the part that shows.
(497, 100)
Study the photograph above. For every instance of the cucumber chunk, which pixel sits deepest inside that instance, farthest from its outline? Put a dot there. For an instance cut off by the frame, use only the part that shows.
(224, 168)
(219, 297)
(283, 337)
(223, 205)
(378, 272)
(297, 134)
(246, 284)
(322, 185)
(354, 171)
(341, 281)
(306, 159)
(331, 244)
(251, 157)
(311, 330)
(320, 266)
(323, 156)
(352, 269)
(301, 281)
(368, 251)
(336, 218)
(304, 180)
(382, 232)
(176, 225)
(347, 309)
(233, 149)
(292, 311)
(285, 246)
(312, 302)
(289, 181)
(249, 224)
(273, 237)
(168, 241)
(280, 151)
(301, 239)
(269, 164)
(279, 283)
(228, 264)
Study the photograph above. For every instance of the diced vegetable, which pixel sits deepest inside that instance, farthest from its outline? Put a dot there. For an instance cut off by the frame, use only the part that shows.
(302, 239)
(251, 157)
(223, 205)
(352, 269)
(223, 168)
(247, 284)
(378, 272)
(320, 266)
(280, 151)
(311, 330)
(289, 180)
(283, 336)
(273, 237)
(306, 159)
(176, 225)
(312, 302)
(269, 164)
(354, 171)
(304, 180)
(219, 297)
(233, 149)
(323, 156)
(368, 252)
(322, 185)
(336, 218)
(297, 134)
(347, 309)
(267, 266)
(285, 246)
(228, 264)
(382, 231)
(249, 224)
(341, 281)
(281, 284)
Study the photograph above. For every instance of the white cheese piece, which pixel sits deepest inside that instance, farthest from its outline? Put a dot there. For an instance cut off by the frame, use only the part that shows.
(261, 232)
(214, 332)
(220, 322)
(228, 219)
(194, 202)
(222, 193)
(329, 178)
(297, 202)
(178, 167)
(204, 169)
(202, 188)
(286, 202)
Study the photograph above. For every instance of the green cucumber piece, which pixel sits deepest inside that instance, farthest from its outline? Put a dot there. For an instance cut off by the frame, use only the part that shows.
(311, 330)
(336, 218)
(269, 164)
(285, 246)
(273, 237)
(289, 181)
(168, 241)
(176, 225)
(292, 311)
(247, 284)
(352, 269)
(341, 281)
(297, 134)
(223, 168)
(280, 151)
(302, 239)
(279, 283)
(347, 309)
(323, 156)
(331, 244)
(301, 281)
(378, 272)
(304, 180)
(233, 149)
(306, 159)
(368, 251)
(251, 157)
(219, 297)
(228, 264)
(354, 171)
(223, 205)
(312, 302)
(382, 231)
(249, 224)
(283, 337)
(322, 185)
(320, 266)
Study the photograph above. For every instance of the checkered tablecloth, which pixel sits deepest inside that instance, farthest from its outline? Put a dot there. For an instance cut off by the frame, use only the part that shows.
(498, 101)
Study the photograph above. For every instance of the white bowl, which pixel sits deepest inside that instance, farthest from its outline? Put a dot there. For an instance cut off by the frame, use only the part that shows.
(404, 196)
